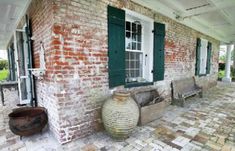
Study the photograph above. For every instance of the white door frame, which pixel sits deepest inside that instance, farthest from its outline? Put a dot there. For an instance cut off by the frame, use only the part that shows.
(20, 77)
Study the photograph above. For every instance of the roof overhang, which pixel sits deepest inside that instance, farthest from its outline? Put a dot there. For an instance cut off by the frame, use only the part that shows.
(215, 18)
(11, 11)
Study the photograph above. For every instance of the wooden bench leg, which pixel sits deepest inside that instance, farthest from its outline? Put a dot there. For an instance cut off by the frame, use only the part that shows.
(182, 102)
(201, 94)
(178, 102)
(2, 95)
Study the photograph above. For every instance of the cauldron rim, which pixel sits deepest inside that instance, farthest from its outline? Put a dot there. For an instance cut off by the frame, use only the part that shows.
(26, 112)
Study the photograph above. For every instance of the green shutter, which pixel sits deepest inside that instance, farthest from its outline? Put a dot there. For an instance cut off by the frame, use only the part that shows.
(12, 59)
(197, 66)
(116, 46)
(30, 63)
(208, 66)
(9, 63)
(28, 29)
(159, 57)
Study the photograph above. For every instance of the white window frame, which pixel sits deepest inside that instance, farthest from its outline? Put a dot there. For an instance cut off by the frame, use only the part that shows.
(146, 43)
(203, 57)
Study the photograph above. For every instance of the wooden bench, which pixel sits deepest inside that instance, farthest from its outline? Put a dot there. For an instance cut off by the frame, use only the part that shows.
(183, 89)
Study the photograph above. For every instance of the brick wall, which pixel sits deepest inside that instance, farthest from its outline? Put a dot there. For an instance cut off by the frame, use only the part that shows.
(76, 81)
(41, 14)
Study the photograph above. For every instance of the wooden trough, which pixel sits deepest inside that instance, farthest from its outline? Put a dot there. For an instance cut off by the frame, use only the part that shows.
(150, 103)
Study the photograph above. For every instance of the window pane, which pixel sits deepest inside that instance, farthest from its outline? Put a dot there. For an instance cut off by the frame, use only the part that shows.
(133, 45)
(134, 28)
(139, 29)
(128, 40)
(138, 46)
(128, 46)
(133, 60)
(134, 36)
(132, 74)
(128, 26)
(138, 73)
(132, 65)
(132, 55)
(128, 35)
(139, 37)
(137, 64)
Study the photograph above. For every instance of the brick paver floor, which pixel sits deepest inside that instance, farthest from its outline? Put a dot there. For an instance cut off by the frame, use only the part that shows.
(204, 124)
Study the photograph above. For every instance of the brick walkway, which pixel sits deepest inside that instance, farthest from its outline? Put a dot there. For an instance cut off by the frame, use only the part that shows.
(205, 124)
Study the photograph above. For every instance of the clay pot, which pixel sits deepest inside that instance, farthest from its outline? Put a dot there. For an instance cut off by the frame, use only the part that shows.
(120, 115)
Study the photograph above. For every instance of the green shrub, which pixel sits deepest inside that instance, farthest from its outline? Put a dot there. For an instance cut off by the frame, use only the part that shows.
(221, 74)
(3, 64)
(4, 75)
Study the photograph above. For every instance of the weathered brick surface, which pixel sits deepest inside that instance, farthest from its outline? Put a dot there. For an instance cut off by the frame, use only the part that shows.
(41, 14)
(76, 82)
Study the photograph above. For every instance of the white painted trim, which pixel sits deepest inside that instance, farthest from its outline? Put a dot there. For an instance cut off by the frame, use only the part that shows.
(138, 15)
(21, 77)
(17, 66)
(147, 62)
(20, 30)
(25, 101)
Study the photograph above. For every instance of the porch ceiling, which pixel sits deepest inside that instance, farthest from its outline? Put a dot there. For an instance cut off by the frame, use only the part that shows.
(213, 17)
(10, 13)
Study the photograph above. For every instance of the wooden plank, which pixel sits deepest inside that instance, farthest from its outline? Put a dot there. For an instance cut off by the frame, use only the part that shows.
(152, 112)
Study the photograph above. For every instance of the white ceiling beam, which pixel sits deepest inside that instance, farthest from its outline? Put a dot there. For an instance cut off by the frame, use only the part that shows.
(175, 5)
(227, 18)
(215, 6)
(7, 13)
(167, 11)
(230, 4)
(209, 28)
(157, 6)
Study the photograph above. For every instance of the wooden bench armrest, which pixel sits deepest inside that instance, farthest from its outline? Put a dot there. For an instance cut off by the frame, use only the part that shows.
(198, 87)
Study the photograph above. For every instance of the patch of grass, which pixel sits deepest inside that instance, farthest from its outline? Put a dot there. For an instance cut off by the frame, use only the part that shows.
(221, 74)
(3, 74)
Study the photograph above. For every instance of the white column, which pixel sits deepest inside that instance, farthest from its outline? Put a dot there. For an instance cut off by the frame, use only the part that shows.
(227, 77)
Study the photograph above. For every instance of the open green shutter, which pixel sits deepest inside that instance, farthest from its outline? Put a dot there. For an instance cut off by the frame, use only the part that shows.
(116, 46)
(12, 62)
(30, 63)
(9, 63)
(208, 66)
(159, 57)
(198, 47)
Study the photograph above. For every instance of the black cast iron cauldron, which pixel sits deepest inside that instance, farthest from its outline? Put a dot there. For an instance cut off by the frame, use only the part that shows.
(27, 120)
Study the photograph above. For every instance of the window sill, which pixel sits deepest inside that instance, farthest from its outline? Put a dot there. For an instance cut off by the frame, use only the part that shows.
(137, 84)
(202, 75)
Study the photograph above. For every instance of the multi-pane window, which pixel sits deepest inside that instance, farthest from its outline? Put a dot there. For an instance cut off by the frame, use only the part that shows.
(136, 46)
(134, 52)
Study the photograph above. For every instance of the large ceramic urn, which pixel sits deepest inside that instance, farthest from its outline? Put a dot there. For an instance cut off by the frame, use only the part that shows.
(120, 115)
